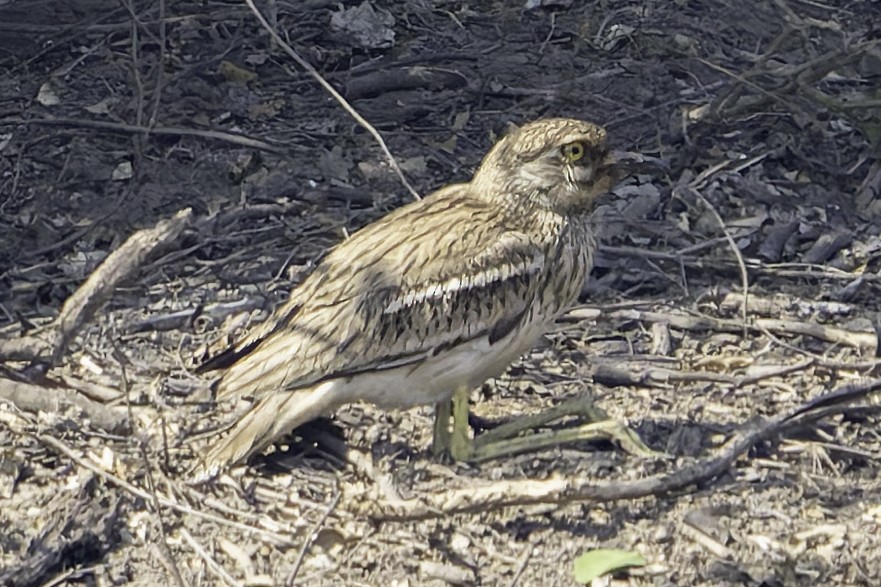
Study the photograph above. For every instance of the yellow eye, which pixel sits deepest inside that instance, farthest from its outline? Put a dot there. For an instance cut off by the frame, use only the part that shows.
(573, 152)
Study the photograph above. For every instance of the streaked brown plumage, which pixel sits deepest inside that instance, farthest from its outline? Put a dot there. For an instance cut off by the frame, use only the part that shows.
(440, 294)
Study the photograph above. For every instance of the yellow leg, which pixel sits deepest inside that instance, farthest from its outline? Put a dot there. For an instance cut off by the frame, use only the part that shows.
(456, 442)
(440, 441)
(504, 440)
(508, 439)
(461, 446)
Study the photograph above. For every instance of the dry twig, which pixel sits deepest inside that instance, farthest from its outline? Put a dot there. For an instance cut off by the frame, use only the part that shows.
(310, 538)
(520, 493)
(33, 398)
(336, 96)
(865, 340)
(226, 136)
(118, 266)
(212, 564)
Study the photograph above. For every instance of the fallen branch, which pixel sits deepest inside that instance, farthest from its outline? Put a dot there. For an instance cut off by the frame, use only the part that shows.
(174, 131)
(23, 348)
(500, 494)
(33, 398)
(49, 396)
(707, 264)
(631, 373)
(865, 340)
(118, 266)
(781, 304)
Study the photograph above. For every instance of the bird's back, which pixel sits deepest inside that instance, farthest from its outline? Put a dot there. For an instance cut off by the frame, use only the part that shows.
(409, 286)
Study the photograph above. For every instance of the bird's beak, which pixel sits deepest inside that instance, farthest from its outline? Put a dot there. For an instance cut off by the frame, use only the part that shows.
(628, 162)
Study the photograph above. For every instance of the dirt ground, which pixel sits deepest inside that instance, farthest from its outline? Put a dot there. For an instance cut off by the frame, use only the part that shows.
(117, 116)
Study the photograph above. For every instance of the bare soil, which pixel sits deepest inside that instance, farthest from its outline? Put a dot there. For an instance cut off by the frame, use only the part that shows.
(115, 117)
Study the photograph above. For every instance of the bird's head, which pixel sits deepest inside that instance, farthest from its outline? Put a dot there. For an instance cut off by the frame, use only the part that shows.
(560, 164)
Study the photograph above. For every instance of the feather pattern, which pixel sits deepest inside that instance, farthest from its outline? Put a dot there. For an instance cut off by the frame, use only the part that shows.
(441, 293)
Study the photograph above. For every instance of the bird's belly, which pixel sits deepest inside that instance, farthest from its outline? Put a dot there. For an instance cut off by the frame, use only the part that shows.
(436, 378)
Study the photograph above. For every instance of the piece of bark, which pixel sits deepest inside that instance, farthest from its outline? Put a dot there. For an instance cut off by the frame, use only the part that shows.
(826, 247)
(771, 249)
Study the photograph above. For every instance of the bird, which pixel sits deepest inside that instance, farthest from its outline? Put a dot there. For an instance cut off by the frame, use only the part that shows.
(429, 301)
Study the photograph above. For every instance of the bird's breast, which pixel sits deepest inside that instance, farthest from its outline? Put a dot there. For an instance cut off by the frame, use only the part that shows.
(567, 268)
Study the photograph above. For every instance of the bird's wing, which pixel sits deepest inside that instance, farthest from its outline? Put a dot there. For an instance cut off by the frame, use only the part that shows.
(398, 291)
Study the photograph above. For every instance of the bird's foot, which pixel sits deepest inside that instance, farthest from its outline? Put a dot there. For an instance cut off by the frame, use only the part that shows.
(506, 439)
(509, 438)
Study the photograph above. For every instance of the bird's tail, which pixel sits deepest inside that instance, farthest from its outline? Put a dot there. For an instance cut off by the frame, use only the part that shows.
(267, 420)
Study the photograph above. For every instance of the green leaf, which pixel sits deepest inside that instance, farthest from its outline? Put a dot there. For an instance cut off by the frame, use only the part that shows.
(595, 563)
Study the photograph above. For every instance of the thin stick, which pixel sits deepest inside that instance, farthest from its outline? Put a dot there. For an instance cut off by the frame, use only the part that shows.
(213, 565)
(336, 96)
(744, 275)
(88, 464)
(310, 538)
